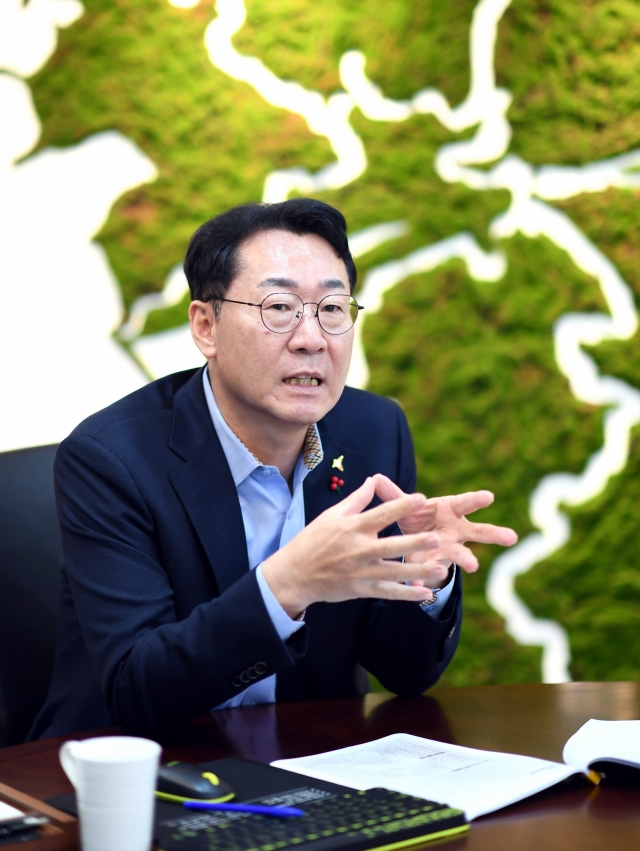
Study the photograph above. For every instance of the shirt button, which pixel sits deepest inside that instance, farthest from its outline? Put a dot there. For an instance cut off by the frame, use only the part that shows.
(289, 515)
(266, 471)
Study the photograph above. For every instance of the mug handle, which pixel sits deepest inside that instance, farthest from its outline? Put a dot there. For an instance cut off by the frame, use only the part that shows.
(68, 762)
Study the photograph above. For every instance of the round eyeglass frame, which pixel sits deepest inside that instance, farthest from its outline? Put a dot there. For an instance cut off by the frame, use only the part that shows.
(304, 304)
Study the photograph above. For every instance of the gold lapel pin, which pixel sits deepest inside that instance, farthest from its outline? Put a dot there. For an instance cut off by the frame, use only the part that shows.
(336, 483)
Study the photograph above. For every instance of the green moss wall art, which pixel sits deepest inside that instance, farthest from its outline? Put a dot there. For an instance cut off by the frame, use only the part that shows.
(487, 158)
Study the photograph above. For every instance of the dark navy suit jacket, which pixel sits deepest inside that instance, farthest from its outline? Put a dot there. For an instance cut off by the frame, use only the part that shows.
(160, 614)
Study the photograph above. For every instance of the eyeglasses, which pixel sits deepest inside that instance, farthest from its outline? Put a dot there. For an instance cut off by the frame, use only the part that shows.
(283, 312)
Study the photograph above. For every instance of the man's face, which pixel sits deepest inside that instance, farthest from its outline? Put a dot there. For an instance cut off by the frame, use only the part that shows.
(252, 368)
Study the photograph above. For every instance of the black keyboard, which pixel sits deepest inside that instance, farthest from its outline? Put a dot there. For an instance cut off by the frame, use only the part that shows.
(353, 821)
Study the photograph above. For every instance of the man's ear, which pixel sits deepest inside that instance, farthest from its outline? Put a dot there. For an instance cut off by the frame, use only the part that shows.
(203, 327)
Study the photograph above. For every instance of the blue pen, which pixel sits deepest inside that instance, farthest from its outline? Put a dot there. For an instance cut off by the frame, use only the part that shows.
(257, 809)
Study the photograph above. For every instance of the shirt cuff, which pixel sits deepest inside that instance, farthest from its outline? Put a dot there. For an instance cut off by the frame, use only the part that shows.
(284, 625)
(443, 595)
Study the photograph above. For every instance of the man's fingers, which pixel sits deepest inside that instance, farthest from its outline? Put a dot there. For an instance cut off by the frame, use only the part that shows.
(467, 503)
(386, 489)
(357, 501)
(420, 519)
(385, 590)
(390, 512)
(401, 545)
(486, 533)
(463, 556)
(430, 574)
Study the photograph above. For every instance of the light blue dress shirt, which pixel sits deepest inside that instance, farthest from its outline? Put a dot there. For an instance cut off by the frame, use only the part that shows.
(272, 516)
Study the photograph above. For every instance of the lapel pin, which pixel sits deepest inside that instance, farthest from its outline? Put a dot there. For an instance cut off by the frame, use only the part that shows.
(336, 484)
(336, 464)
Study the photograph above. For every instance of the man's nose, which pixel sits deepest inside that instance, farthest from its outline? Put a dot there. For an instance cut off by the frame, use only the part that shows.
(308, 334)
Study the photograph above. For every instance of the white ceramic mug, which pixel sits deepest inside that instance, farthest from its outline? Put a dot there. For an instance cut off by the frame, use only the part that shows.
(114, 778)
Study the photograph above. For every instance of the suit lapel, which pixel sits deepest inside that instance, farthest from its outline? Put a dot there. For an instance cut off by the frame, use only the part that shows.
(336, 441)
(205, 486)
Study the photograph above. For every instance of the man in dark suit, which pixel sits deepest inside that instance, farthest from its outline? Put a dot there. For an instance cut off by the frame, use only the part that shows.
(247, 532)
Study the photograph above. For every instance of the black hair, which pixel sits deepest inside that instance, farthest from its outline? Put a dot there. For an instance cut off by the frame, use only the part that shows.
(212, 259)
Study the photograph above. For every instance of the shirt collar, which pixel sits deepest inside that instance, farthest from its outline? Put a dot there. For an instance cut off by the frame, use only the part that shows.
(241, 461)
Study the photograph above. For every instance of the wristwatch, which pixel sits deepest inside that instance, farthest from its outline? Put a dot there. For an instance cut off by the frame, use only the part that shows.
(435, 591)
(426, 603)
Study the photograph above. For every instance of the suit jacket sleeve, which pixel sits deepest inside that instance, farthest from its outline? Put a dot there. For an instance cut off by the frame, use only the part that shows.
(159, 660)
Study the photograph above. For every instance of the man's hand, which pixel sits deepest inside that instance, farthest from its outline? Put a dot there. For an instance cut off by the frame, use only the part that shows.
(339, 556)
(445, 515)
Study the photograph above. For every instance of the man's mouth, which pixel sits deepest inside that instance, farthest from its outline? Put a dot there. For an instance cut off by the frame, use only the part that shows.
(303, 380)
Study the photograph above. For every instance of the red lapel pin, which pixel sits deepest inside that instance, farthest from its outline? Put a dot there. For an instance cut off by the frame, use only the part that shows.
(336, 484)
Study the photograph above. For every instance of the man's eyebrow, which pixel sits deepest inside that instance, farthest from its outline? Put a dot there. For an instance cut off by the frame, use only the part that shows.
(278, 282)
(289, 283)
(333, 284)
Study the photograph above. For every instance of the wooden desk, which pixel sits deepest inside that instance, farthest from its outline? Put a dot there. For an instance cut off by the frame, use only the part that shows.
(528, 719)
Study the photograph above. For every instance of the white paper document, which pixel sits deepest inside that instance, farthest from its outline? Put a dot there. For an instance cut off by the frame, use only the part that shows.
(475, 781)
(614, 741)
